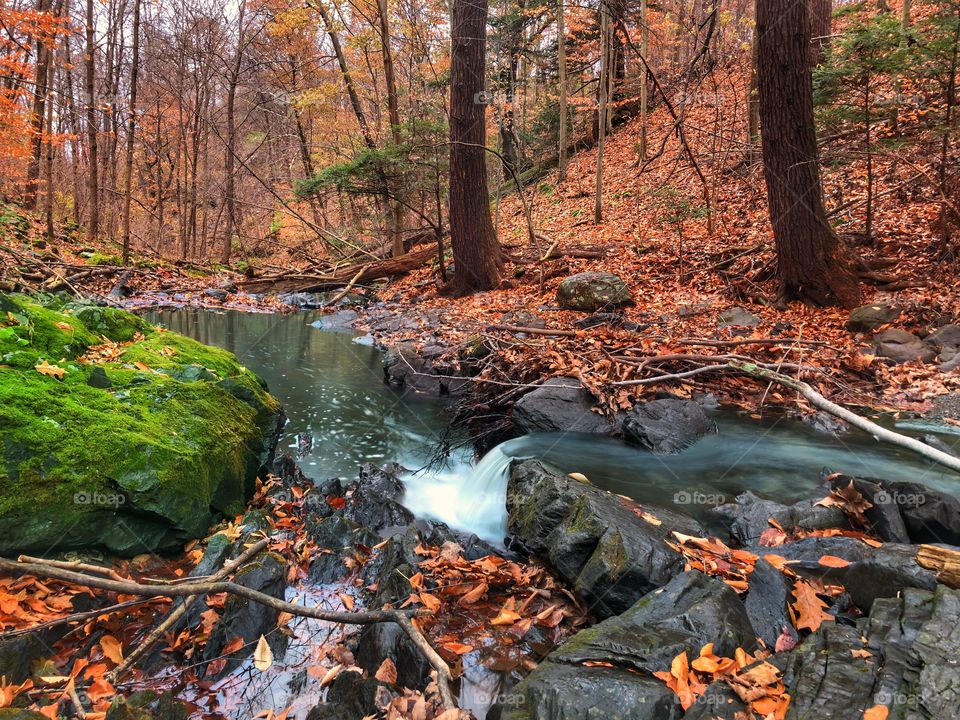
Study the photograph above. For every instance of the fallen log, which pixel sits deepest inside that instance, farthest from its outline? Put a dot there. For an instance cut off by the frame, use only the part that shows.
(945, 562)
(358, 274)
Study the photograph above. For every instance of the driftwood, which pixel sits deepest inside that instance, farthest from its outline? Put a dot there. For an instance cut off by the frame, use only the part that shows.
(190, 589)
(359, 273)
(534, 331)
(945, 562)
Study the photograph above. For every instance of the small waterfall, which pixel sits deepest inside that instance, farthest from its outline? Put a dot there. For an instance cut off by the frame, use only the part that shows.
(470, 499)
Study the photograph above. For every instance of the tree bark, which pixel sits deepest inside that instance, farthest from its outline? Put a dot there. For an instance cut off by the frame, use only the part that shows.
(131, 130)
(476, 251)
(602, 105)
(393, 112)
(38, 113)
(562, 81)
(93, 185)
(821, 27)
(812, 264)
(231, 139)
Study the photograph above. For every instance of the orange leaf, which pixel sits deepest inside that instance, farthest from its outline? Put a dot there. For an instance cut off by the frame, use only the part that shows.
(833, 561)
(877, 712)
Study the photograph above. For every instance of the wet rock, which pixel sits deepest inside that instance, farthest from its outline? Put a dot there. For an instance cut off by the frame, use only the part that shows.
(719, 702)
(930, 516)
(825, 423)
(341, 320)
(216, 293)
(591, 291)
(423, 370)
(9, 713)
(147, 705)
(767, 601)
(303, 300)
(590, 537)
(749, 516)
(901, 346)
(247, 619)
(19, 655)
(374, 502)
(336, 539)
(352, 697)
(869, 317)
(738, 317)
(884, 516)
(559, 405)
(668, 425)
(824, 678)
(689, 612)
(388, 640)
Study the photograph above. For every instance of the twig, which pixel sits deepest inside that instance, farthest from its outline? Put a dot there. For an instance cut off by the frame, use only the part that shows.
(74, 565)
(179, 611)
(346, 288)
(75, 617)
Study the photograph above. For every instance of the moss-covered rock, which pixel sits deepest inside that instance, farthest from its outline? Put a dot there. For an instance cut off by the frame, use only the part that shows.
(134, 454)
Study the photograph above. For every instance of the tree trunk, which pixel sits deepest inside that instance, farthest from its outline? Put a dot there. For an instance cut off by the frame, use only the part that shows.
(38, 113)
(476, 251)
(811, 262)
(229, 160)
(821, 27)
(93, 185)
(131, 129)
(644, 101)
(393, 110)
(562, 81)
(602, 104)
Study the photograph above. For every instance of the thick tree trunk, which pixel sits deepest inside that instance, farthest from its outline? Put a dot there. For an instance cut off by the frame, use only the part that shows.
(393, 111)
(131, 129)
(812, 264)
(602, 104)
(476, 251)
(38, 113)
(821, 27)
(229, 158)
(93, 185)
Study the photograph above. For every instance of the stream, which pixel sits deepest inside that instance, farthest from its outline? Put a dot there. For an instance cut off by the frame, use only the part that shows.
(341, 414)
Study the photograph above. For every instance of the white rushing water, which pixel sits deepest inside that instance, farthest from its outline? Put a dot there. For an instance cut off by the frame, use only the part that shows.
(468, 498)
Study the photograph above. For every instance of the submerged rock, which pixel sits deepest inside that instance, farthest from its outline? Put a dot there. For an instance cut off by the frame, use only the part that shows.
(592, 291)
(592, 538)
(560, 404)
(147, 705)
(689, 612)
(137, 453)
(668, 425)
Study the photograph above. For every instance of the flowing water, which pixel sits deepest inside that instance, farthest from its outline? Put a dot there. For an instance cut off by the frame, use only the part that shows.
(342, 414)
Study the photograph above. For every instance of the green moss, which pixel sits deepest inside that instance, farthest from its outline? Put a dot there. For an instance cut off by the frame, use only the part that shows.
(140, 465)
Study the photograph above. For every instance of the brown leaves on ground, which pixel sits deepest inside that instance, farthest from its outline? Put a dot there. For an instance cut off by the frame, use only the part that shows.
(808, 610)
(776, 535)
(756, 682)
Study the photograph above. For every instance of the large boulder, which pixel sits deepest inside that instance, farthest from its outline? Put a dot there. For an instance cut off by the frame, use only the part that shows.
(668, 425)
(592, 538)
(869, 317)
(560, 404)
(622, 652)
(592, 291)
(748, 517)
(137, 448)
(901, 346)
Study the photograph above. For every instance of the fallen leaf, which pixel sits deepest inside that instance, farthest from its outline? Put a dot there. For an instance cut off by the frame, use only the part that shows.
(45, 368)
(263, 655)
(833, 561)
(809, 607)
(387, 672)
(877, 712)
(111, 648)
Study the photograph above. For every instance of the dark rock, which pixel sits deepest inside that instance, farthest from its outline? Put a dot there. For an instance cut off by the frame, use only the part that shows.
(98, 379)
(19, 655)
(668, 425)
(559, 405)
(738, 317)
(607, 318)
(901, 346)
(340, 320)
(749, 516)
(884, 516)
(380, 641)
(336, 539)
(719, 702)
(522, 318)
(147, 705)
(423, 371)
(825, 423)
(247, 619)
(9, 713)
(591, 291)
(306, 301)
(352, 697)
(689, 612)
(869, 317)
(590, 537)
(216, 293)
(946, 338)
(930, 516)
(767, 601)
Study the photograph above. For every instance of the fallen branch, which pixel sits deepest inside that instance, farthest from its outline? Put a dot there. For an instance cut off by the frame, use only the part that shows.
(534, 331)
(75, 617)
(945, 562)
(366, 617)
(179, 611)
(820, 402)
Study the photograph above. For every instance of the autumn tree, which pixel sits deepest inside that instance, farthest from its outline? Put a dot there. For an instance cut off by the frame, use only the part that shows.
(812, 264)
(476, 250)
